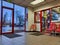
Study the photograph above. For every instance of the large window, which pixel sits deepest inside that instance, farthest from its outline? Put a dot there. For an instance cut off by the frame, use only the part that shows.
(6, 20)
(19, 17)
(7, 12)
(55, 12)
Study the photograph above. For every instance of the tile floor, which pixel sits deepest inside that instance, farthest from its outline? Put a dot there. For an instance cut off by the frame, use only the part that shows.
(13, 41)
(28, 39)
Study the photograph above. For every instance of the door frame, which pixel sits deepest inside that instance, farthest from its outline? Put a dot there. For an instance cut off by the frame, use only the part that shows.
(12, 19)
(40, 19)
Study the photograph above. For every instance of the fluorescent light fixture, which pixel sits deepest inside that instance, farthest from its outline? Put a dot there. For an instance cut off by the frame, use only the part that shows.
(36, 2)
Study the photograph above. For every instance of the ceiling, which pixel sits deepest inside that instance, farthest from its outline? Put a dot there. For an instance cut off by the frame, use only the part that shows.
(26, 3)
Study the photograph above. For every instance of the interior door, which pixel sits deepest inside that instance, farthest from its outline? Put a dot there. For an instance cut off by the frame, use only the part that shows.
(7, 20)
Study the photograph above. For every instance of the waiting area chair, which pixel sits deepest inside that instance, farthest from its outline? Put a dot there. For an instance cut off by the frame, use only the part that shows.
(57, 29)
(51, 28)
(33, 27)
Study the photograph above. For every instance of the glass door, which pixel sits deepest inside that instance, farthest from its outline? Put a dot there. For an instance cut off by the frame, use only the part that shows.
(46, 19)
(19, 18)
(7, 20)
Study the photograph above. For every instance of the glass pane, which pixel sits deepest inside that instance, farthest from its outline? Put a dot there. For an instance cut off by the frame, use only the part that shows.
(45, 19)
(7, 20)
(55, 14)
(0, 16)
(7, 4)
(19, 17)
(48, 18)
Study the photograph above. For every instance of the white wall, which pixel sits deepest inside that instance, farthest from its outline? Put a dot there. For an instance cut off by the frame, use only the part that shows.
(38, 27)
(30, 18)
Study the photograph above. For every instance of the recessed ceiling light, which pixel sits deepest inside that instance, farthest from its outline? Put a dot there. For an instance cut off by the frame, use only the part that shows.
(36, 2)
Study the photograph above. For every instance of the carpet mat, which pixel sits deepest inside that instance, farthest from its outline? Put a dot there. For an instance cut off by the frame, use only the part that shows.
(36, 34)
(12, 35)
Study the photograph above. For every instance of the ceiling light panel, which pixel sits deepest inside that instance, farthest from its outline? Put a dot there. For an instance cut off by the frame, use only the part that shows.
(36, 2)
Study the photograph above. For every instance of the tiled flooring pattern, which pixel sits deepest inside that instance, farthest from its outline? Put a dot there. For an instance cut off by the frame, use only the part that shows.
(28, 39)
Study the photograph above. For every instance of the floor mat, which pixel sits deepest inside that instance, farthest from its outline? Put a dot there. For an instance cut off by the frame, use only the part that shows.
(55, 34)
(12, 35)
(36, 34)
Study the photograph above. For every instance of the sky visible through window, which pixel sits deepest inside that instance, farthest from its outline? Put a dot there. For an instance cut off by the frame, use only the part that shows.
(18, 12)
